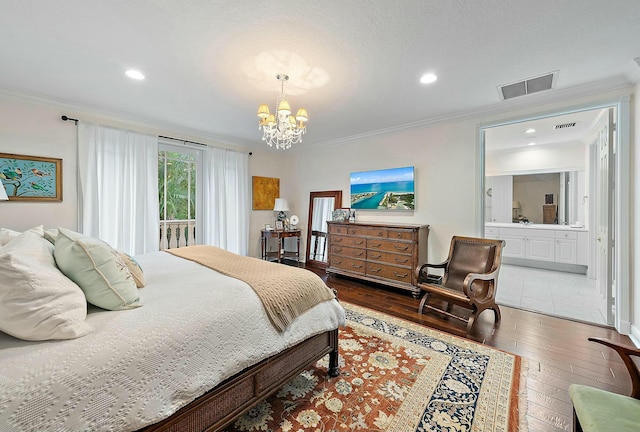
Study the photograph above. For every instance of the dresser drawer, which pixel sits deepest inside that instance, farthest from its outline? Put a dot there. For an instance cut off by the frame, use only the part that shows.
(376, 232)
(390, 245)
(389, 257)
(400, 234)
(350, 264)
(398, 274)
(338, 240)
(570, 235)
(338, 229)
(348, 251)
(356, 230)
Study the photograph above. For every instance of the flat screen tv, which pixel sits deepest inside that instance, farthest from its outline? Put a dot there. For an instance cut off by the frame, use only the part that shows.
(387, 189)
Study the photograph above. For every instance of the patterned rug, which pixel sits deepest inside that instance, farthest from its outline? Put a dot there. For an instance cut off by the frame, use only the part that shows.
(398, 376)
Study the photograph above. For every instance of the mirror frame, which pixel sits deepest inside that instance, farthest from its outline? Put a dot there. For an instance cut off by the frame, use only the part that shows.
(337, 203)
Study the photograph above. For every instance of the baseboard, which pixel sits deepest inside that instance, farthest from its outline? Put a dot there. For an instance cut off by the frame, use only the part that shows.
(635, 336)
(546, 265)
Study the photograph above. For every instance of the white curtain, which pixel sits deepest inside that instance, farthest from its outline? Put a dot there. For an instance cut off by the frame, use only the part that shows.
(118, 187)
(226, 202)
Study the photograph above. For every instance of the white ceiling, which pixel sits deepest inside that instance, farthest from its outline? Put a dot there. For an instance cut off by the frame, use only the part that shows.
(355, 65)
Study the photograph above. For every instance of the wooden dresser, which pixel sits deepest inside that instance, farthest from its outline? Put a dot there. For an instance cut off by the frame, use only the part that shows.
(383, 253)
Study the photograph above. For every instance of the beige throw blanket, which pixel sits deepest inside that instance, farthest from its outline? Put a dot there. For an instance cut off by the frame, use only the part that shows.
(285, 291)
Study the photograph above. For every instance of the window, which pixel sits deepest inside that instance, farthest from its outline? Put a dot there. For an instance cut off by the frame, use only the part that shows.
(178, 188)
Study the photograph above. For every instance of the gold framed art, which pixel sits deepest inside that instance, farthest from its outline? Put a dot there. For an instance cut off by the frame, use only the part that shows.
(265, 190)
(31, 178)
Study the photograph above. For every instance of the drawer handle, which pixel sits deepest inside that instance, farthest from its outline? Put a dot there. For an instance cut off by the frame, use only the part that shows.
(358, 242)
(376, 245)
(337, 261)
(359, 254)
(338, 250)
(357, 266)
(401, 275)
(401, 248)
(352, 231)
(404, 261)
(398, 235)
(376, 256)
(380, 233)
(375, 270)
(338, 240)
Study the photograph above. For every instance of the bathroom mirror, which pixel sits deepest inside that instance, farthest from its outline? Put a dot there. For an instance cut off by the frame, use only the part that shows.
(321, 205)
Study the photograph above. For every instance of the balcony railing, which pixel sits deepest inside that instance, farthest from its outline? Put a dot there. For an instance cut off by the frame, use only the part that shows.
(177, 233)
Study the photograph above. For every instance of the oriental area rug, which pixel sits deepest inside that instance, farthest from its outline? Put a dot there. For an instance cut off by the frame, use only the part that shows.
(398, 376)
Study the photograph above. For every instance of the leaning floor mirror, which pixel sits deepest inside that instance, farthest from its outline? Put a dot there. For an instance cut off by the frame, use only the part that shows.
(321, 205)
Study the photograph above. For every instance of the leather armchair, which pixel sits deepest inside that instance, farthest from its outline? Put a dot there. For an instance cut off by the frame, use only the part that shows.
(600, 410)
(470, 278)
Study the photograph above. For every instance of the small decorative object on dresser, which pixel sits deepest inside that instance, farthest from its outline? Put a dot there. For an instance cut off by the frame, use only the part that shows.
(387, 254)
(340, 215)
(279, 225)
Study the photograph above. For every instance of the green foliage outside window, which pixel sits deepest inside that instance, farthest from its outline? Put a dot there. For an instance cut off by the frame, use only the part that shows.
(180, 172)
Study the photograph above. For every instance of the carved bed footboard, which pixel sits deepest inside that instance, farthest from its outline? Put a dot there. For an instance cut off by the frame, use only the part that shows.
(222, 405)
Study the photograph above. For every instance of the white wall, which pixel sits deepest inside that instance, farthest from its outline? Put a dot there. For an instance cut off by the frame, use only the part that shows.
(445, 195)
(552, 158)
(33, 129)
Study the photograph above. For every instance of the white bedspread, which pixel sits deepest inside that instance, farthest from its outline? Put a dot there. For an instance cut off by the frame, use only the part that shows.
(196, 328)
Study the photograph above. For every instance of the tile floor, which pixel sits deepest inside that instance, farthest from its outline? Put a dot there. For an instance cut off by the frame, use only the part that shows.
(566, 295)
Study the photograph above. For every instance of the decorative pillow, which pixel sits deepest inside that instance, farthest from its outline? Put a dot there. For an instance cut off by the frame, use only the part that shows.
(97, 269)
(51, 234)
(6, 235)
(38, 302)
(134, 268)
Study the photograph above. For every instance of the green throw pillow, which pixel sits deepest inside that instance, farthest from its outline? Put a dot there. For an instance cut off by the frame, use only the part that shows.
(98, 269)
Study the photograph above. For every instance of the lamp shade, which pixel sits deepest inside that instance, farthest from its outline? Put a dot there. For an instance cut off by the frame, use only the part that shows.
(515, 205)
(281, 205)
(284, 108)
(3, 193)
(302, 115)
(263, 111)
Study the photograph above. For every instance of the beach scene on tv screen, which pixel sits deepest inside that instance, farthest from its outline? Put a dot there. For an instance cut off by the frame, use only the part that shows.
(388, 189)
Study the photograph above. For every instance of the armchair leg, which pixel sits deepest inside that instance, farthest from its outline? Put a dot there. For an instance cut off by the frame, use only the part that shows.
(423, 302)
(496, 312)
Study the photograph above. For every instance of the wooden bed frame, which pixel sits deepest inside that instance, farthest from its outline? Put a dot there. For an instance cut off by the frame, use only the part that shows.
(221, 406)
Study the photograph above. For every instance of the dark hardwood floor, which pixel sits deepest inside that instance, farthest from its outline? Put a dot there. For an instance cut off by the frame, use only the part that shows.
(556, 351)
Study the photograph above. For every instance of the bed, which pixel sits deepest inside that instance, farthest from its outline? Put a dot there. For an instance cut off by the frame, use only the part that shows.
(199, 352)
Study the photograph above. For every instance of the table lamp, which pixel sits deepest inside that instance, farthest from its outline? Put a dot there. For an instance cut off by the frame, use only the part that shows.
(281, 206)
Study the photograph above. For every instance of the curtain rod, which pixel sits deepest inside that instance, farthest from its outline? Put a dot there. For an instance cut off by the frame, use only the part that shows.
(66, 118)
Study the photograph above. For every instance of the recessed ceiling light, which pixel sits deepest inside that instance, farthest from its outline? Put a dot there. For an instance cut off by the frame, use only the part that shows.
(531, 143)
(134, 74)
(530, 130)
(428, 78)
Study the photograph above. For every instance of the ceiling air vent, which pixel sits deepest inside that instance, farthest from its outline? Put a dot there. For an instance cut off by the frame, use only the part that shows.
(528, 86)
(565, 125)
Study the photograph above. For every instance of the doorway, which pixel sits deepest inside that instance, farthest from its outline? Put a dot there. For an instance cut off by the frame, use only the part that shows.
(559, 257)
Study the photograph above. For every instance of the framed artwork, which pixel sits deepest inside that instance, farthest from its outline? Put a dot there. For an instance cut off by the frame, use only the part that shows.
(279, 225)
(31, 178)
(341, 215)
(265, 190)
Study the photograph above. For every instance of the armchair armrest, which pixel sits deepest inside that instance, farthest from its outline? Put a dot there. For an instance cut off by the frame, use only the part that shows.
(625, 352)
(472, 277)
(426, 266)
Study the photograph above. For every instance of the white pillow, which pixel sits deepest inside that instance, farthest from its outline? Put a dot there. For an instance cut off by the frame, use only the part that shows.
(6, 235)
(98, 269)
(38, 302)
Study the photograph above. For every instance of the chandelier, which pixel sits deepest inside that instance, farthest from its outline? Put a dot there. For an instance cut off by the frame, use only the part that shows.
(281, 129)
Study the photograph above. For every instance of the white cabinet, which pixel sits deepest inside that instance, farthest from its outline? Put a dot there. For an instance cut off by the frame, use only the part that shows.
(567, 247)
(542, 244)
(528, 243)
